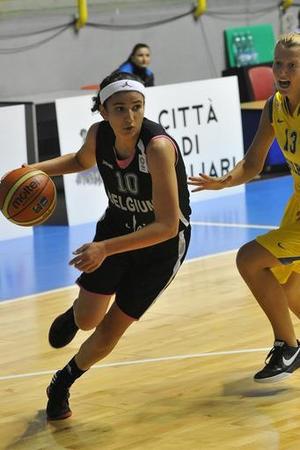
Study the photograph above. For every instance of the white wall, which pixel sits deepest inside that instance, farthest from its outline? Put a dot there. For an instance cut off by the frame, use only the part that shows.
(184, 50)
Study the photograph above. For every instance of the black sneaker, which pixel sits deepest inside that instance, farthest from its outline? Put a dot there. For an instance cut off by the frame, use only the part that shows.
(63, 329)
(281, 362)
(58, 401)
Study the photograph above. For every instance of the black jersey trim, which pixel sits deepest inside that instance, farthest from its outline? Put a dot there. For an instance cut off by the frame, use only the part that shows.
(288, 260)
(270, 106)
(286, 104)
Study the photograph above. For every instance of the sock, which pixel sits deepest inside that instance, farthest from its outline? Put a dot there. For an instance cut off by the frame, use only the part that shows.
(69, 374)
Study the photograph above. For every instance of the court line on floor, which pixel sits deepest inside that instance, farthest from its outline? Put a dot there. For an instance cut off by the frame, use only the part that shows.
(141, 361)
(37, 294)
(233, 225)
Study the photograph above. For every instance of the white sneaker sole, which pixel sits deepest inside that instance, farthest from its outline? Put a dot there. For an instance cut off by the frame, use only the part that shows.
(275, 379)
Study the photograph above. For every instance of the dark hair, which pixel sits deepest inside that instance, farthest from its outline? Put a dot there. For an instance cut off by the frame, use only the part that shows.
(136, 48)
(114, 76)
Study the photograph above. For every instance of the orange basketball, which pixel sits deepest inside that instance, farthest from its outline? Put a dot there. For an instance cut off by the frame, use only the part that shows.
(27, 196)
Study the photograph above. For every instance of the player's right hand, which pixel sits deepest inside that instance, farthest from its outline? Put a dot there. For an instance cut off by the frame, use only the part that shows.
(89, 257)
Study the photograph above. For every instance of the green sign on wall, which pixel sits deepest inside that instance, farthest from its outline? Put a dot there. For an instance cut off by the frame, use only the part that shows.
(246, 46)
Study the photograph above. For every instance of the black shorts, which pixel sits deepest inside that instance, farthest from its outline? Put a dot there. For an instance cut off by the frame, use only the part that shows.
(137, 277)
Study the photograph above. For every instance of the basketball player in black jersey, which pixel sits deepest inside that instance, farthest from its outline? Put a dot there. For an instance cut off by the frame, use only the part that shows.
(140, 241)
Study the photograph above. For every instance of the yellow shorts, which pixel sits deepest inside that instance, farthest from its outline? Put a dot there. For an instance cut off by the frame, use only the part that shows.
(284, 242)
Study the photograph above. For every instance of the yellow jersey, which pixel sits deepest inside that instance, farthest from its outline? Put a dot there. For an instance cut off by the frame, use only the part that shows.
(287, 133)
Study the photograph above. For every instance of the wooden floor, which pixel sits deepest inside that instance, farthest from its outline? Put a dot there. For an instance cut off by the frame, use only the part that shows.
(180, 379)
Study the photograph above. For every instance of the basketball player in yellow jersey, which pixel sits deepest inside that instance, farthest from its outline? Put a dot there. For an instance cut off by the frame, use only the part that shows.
(270, 265)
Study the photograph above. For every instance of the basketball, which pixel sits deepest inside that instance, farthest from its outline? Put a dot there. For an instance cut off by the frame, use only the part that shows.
(27, 196)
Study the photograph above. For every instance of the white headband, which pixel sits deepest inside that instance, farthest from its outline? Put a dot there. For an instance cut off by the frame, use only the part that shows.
(121, 85)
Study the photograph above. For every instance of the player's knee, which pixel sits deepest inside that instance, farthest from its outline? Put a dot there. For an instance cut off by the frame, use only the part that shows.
(293, 300)
(294, 304)
(84, 321)
(295, 308)
(243, 261)
(250, 259)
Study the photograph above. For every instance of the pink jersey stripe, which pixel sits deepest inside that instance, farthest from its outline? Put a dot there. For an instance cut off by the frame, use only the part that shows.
(123, 163)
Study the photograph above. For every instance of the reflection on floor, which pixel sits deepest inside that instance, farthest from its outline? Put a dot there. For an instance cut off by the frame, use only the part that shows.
(40, 263)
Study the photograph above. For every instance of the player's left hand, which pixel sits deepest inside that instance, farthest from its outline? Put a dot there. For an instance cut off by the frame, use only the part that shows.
(88, 257)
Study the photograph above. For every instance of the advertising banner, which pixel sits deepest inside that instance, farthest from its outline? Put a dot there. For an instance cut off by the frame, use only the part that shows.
(205, 119)
(13, 153)
(84, 192)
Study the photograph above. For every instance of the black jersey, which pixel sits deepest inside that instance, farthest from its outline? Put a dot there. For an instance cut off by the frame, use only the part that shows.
(129, 186)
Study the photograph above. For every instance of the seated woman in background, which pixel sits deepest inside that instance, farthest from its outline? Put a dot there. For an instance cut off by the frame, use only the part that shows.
(138, 62)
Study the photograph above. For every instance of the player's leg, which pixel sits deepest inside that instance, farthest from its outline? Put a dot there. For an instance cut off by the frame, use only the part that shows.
(87, 311)
(105, 337)
(97, 346)
(254, 263)
(292, 291)
(90, 308)
(85, 314)
(96, 289)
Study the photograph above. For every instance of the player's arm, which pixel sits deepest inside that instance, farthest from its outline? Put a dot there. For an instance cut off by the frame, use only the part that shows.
(84, 159)
(250, 166)
(161, 157)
